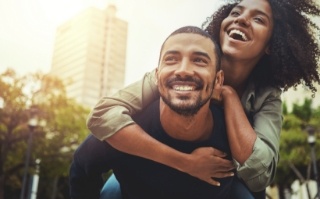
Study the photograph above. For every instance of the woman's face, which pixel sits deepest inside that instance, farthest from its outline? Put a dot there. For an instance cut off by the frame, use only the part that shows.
(246, 32)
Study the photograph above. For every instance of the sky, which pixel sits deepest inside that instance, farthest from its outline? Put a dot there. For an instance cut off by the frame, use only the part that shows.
(28, 29)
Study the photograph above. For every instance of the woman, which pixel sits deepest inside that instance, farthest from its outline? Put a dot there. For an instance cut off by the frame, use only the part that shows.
(267, 45)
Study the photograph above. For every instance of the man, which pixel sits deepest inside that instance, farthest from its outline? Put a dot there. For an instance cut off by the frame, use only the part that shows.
(182, 118)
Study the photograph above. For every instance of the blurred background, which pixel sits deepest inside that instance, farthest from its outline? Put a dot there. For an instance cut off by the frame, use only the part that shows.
(58, 58)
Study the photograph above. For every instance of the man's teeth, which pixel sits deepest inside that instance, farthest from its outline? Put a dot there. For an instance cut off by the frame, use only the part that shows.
(244, 37)
(183, 88)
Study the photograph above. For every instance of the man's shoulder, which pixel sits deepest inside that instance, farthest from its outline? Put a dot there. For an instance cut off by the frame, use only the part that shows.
(216, 108)
(149, 114)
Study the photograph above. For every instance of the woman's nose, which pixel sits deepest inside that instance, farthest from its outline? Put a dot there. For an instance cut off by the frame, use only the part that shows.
(242, 20)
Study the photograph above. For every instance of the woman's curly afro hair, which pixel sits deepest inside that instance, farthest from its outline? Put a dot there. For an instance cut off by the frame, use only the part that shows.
(294, 48)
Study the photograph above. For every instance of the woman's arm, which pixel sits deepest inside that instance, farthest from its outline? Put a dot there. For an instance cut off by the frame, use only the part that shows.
(254, 147)
(203, 163)
(113, 113)
(111, 121)
(241, 134)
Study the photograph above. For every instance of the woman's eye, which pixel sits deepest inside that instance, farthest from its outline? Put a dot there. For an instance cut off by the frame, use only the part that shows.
(259, 20)
(234, 13)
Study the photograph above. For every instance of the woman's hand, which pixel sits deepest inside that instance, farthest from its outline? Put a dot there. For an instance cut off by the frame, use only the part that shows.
(220, 93)
(207, 163)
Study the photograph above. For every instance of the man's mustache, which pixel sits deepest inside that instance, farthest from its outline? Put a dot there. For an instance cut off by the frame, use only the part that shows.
(196, 81)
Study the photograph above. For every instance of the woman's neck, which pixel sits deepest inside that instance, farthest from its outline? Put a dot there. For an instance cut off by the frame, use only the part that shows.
(236, 73)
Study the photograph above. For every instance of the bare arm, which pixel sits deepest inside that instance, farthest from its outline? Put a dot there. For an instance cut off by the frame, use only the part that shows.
(255, 145)
(240, 132)
(202, 163)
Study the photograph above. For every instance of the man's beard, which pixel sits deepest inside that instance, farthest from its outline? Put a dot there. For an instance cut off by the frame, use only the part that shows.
(187, 110)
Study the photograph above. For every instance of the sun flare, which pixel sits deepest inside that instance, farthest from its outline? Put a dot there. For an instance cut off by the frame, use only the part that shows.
(58, 11)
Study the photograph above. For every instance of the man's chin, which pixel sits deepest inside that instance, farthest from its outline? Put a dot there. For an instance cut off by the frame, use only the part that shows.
(185, 108)
(183, 103)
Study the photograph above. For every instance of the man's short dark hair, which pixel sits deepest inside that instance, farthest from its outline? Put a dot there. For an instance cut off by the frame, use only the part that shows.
(198, 31)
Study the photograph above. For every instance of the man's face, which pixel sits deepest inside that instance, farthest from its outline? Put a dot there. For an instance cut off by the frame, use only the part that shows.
(186, 72)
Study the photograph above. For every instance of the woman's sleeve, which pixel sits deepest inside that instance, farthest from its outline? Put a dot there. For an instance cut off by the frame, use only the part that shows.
(114, 112)
(259, 170)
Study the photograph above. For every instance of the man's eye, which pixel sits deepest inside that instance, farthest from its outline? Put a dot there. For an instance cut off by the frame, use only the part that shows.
(200, 60)
(170, 59)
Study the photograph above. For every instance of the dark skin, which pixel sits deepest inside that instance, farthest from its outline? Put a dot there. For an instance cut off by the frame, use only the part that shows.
(293, 49)
(288, 59)
(260, 34)
(255, 20)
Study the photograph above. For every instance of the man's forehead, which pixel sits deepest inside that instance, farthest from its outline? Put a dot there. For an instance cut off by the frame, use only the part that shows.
(193, 37)
(189, 41)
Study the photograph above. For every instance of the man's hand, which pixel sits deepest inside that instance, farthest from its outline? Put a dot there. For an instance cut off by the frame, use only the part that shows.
(207, 163)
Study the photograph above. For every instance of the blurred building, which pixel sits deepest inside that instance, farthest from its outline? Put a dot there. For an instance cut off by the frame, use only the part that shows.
(89, 54)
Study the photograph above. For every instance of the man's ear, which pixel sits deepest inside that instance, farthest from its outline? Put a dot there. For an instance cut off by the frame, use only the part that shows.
(219, 79)
(216, 93)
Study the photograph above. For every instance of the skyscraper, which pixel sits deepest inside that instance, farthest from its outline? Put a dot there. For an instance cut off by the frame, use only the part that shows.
(89, 54)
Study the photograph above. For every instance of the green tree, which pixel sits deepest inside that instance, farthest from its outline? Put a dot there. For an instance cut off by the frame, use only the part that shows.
(304, 111)
(294, 149)
(61, 129)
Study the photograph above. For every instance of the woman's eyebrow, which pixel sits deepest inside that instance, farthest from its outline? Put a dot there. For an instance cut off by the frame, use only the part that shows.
(255, 10)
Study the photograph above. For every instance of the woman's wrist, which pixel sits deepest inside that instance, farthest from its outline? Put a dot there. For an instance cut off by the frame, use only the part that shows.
(177, 160)
(227, 93)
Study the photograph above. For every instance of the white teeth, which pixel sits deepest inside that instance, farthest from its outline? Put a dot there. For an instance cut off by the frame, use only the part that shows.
(234, 31)
(183, 88)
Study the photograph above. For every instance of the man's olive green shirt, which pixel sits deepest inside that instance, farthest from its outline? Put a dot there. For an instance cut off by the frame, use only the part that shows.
(263, 108)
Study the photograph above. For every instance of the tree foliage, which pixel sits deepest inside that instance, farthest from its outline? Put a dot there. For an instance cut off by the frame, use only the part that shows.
(60, 129)
(295, 158)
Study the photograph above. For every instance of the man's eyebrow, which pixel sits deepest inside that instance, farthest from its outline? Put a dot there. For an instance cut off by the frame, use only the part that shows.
(171, 52)
(195, 53)
(202, 54)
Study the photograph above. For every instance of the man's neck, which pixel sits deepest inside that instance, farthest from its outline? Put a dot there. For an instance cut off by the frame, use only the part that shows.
(188, 128)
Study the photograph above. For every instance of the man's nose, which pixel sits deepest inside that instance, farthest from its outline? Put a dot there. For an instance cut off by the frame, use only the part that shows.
(185, 68)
